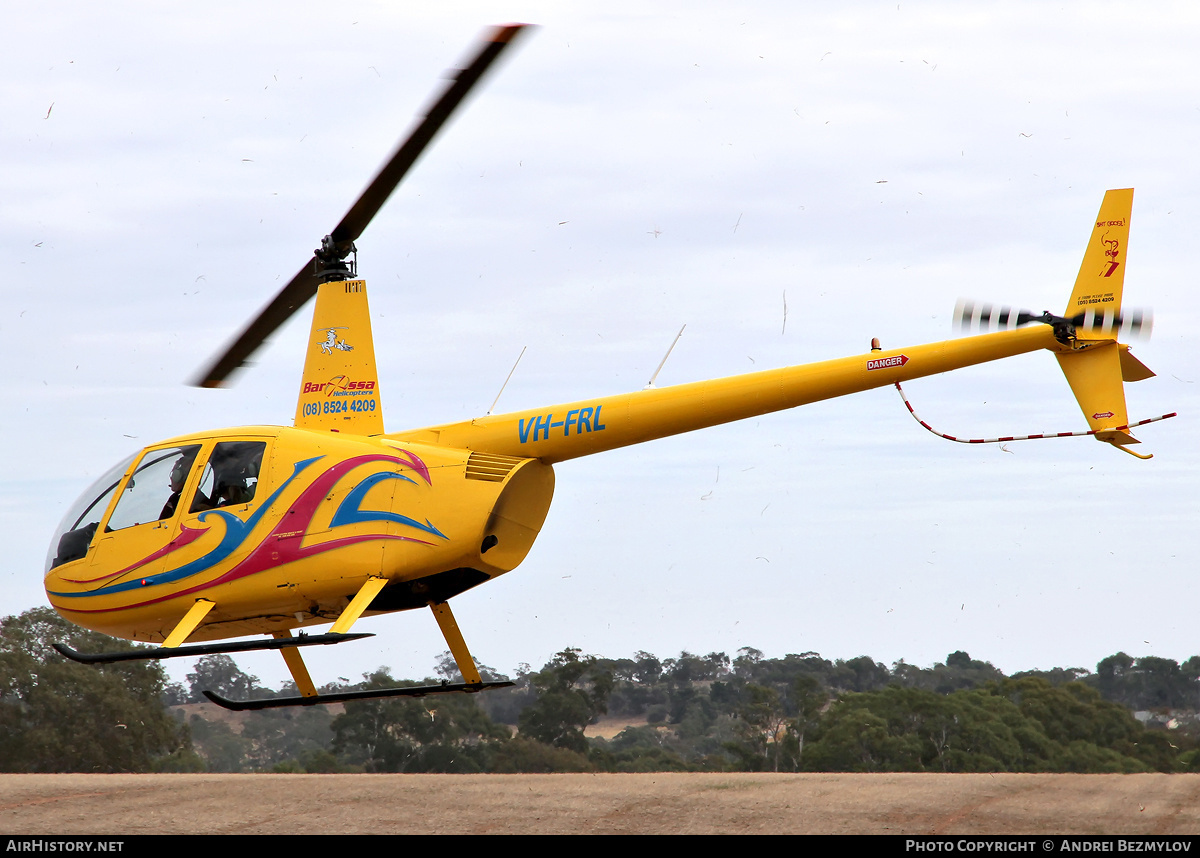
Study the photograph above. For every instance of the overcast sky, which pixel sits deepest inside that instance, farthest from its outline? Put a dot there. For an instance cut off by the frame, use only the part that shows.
(165, 169)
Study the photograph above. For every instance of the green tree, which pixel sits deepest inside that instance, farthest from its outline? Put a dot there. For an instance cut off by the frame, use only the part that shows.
(222, 748)
(808, 700)
(572, 692)
(447, 668)
(1113, 678)
(959, 672)
(278, 735)
(60, 716)
(761, 727)
(221, 675)
(860, 674)
(527, 755)
(1162, 684)
(912, 729)
(1191, 677)
(1077, 719)
(1014, 725)
(442, 733)
(852, 738)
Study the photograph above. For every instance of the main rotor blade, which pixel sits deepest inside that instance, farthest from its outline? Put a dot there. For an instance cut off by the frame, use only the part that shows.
(406, 154)
(290, 299)
(304, 285)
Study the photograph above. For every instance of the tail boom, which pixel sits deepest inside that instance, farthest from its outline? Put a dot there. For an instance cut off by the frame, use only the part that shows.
(1095, 369)
(569, 430)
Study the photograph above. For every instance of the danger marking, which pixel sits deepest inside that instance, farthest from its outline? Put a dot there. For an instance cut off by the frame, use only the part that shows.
(887, 363)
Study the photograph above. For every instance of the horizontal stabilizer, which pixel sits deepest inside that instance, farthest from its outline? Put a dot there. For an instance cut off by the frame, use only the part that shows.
(1133, 369)
(1117, 437)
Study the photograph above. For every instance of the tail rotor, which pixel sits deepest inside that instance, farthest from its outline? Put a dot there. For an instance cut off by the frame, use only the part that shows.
(976, 317)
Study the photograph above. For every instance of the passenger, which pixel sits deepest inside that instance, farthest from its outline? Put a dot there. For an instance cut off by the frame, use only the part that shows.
(233, 491)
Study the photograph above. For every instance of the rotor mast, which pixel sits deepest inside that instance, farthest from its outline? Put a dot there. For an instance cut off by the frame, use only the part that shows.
(329, 260)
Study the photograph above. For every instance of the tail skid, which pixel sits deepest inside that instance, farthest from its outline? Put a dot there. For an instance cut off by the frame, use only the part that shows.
(1034, 437)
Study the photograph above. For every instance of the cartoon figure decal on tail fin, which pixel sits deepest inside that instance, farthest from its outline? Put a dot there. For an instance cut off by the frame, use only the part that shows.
(331, 342)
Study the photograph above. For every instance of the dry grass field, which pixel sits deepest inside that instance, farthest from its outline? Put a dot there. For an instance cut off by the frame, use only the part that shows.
(600, 804)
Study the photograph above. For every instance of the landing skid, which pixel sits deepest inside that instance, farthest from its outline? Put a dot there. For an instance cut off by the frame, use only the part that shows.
(340, 697)
(288, 646)
(204, 649)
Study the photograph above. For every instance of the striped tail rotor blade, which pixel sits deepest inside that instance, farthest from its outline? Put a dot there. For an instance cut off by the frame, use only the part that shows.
(963, 310)
(976, 316)
(1135, 323)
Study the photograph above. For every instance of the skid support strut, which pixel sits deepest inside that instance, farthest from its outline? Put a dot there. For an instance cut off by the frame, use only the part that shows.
(458, 647)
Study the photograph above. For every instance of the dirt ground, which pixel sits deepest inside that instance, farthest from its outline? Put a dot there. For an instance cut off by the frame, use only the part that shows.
(600, 804)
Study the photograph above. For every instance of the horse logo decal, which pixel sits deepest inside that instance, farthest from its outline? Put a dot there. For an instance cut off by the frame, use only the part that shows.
(331, 342)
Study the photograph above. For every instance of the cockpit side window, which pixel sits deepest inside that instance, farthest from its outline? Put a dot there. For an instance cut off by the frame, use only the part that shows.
(152, 493)
(230, 475)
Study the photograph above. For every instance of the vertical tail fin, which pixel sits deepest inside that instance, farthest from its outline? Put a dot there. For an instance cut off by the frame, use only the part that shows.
(1102, 273)
(1096, 369)
(339, 390)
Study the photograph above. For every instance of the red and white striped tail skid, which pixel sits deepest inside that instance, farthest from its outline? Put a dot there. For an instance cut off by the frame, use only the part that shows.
(1007, 438)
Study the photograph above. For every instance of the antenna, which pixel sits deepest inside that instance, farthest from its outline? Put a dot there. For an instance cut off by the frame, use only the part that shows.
(650, 383)
(510, 373)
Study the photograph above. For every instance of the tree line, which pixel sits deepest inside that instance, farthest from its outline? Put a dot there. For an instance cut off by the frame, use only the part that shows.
(801, 712)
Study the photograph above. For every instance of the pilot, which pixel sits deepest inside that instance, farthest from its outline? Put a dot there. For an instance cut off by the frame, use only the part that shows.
(179, 474)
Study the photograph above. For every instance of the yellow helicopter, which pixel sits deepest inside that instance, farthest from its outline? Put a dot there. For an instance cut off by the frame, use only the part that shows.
(264, 530)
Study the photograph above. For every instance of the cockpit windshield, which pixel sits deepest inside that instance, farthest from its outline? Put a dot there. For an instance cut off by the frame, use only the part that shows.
(155, 492)
(74, 532)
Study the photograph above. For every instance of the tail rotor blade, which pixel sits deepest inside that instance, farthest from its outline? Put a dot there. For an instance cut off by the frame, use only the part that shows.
(970, 315)
(1136, 323)
(973, 316)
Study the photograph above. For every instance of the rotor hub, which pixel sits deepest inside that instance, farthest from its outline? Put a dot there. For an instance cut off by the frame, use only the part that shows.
(335, 260)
